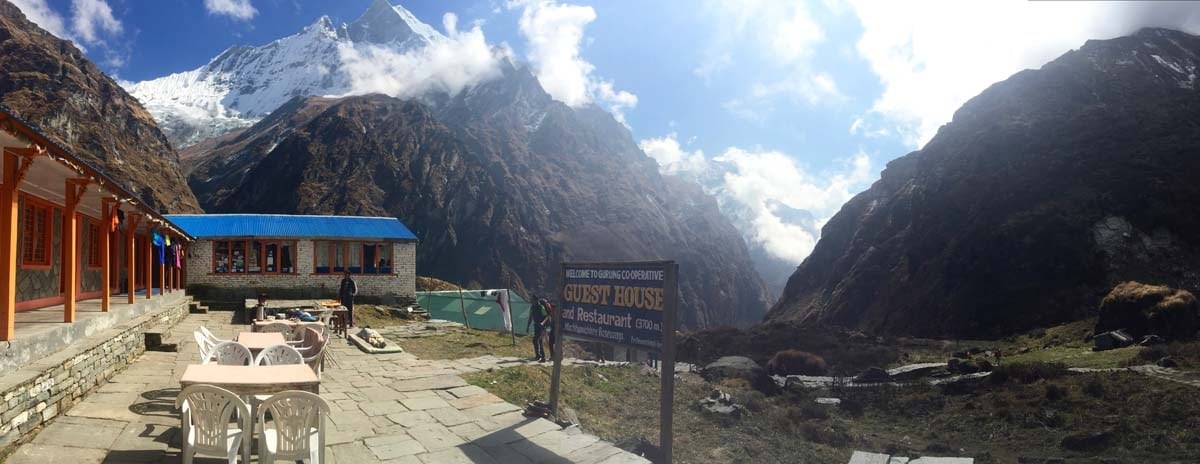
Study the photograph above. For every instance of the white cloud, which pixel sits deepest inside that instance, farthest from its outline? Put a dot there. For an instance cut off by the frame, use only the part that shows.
(933, 56)
(616, 100)
(757, 187)
(45, 17)
(778, 40)
(759, 180)
(91, 19)
(461, 59)
(673, 159)
(237, 9)
(554, 33)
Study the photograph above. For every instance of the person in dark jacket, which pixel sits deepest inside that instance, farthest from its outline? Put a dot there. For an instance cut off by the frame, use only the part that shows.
(346, 292)
(537, 319)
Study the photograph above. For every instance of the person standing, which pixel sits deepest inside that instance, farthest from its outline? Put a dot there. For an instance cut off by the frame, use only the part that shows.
(537, 319)
(346, 292)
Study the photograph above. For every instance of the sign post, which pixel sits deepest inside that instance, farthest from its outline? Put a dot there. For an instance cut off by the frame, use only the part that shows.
(630, 304)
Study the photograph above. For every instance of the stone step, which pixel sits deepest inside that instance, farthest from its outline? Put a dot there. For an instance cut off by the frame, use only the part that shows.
(194, 307)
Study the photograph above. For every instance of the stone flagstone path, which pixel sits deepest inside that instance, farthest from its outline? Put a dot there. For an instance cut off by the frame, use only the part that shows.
(392, 408)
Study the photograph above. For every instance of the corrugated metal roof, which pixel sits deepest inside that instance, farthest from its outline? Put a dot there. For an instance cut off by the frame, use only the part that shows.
(204, 226)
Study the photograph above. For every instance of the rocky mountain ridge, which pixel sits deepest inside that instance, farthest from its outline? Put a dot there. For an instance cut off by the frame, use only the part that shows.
(49, 82)
(500, 183)
(1042, 193)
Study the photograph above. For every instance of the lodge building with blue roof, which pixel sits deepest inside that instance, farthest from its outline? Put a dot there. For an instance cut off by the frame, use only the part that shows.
(238, 256)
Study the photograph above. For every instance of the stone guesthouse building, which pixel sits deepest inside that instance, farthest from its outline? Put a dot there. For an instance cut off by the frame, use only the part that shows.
(238, 256)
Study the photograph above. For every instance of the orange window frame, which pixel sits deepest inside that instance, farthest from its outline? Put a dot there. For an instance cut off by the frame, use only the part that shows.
(93, 242)
(345, 247)
(29, 243)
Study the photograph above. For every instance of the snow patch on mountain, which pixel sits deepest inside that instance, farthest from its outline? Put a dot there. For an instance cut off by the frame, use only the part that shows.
(245, 83)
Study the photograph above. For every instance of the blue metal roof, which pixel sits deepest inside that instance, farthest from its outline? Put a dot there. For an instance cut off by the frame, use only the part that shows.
(204, 226)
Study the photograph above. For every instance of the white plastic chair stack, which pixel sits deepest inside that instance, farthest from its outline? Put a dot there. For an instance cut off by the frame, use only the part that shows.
(278, 354)
(297, 428)
(206, 413)
(209, 335)
(231, 354)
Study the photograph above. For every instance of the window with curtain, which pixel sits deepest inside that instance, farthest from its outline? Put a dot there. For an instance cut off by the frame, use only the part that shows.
(287, 257)
(271, 257)
(237, 252)
(220, 257)
(254, 258)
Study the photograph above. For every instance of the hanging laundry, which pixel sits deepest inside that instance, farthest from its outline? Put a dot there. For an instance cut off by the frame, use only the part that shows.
(157, 240)
(178, 259)
(115, 221)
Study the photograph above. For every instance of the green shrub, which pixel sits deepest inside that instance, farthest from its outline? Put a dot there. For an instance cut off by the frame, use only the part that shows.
(1055, 392)
(1094, 388)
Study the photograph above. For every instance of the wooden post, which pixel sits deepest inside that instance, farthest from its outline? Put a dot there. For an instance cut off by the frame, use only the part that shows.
(463, 306)
(132, 220)
(665, 413)
(556, 351)
(15, 168)
(149, 262)
(70, 247)
(106, 206)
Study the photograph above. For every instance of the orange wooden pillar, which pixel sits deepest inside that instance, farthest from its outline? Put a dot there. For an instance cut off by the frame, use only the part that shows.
(149, 262)
(162, 275)
(15, 167)
(107, 207)
(70, 247)
(132, 220)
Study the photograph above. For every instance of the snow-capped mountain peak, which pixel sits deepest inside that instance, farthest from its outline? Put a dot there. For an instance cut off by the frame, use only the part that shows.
(245, 83)
(384, 24)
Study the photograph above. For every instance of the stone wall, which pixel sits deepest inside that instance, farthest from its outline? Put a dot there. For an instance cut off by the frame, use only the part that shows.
(205, 285)
(39, 391)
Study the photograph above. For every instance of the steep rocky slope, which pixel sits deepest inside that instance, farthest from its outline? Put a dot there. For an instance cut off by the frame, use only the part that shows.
(500, 183)
(49, 82)
(1044, 191)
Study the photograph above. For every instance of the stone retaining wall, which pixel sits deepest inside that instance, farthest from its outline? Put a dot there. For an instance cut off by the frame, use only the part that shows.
(38, 392)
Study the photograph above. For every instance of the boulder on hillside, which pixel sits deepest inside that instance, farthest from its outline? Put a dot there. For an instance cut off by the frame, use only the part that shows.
(796, 362)
(740, 367)
(1111, 340)
(1142, 309)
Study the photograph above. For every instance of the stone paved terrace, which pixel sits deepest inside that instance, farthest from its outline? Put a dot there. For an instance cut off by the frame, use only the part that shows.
(386, 408)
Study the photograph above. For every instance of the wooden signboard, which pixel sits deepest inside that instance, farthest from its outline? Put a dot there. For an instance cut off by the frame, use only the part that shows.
(631, 304)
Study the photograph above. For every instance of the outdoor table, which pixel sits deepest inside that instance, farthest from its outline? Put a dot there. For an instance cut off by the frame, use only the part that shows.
(257, 342)
(253, 380)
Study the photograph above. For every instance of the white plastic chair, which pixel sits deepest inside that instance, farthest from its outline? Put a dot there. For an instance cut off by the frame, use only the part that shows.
(287, 330)
(204, 345)
(209, 335)
(314, 349)
(297, 428)
(231, 354)
(206, 412)
(278, 354)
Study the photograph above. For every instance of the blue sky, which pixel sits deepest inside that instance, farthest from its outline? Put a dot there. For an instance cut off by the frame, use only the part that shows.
(767, 103)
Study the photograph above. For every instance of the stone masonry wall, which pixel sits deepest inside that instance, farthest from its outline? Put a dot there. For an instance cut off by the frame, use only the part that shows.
(38, 392)
(203, 283)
